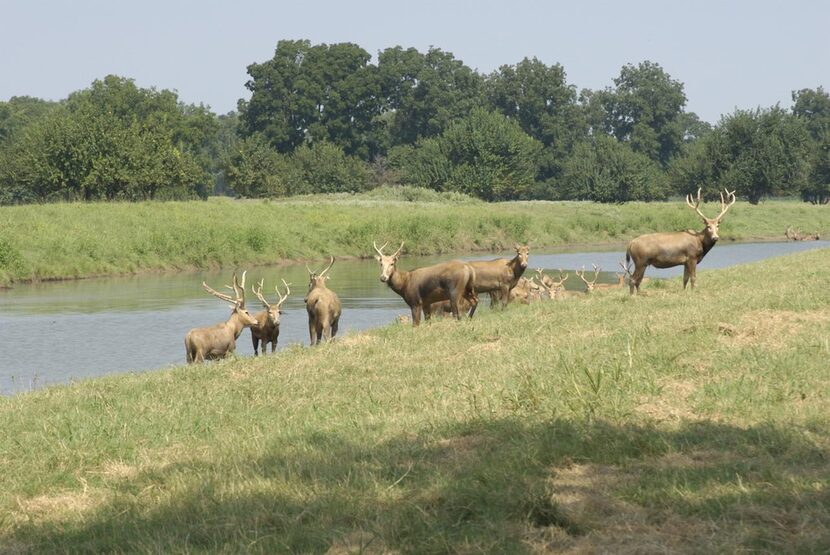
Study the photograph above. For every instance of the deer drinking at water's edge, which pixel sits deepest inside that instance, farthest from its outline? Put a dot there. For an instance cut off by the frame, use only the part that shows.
(422, 287)
(323, 306)
(268, 330)
(220, 340)
(686, 248)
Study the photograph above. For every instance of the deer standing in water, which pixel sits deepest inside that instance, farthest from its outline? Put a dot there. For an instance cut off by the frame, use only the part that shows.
(268, 330)
(323, 306)
(686, 248)
(220, 340)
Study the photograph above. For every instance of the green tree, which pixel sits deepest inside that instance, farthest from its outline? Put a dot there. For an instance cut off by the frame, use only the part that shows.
(323, 167)
(314, 93)
(813, 108)
(538, 97)
(424, 93)
(607, 170)
(484, 155)
(645, 110)
(766, 153)
(255, 169)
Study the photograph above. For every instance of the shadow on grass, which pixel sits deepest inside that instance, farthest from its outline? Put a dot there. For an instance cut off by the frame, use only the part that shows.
(494, 486)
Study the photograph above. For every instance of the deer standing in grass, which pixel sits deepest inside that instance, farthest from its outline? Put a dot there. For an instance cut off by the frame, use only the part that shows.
(499, 276)
(220, 340)
(686, 248)
(268, 330)
(323, 306)
(420, 288)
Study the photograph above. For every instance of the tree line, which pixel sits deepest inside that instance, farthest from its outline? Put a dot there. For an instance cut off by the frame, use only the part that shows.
(326, 118)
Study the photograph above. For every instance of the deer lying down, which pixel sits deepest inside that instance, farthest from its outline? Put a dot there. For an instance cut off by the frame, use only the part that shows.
(220, 340)
(268, 330)
(323, 307)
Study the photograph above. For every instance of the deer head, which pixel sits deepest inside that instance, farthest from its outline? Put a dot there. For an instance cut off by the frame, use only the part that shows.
(522, 251)
(318, 280)
(237, 302)
(273, 310)
(712, 223)
(387, 261)
(589, 285)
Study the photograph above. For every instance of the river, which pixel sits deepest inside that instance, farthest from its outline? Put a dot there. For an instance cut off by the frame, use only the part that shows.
(56, 332)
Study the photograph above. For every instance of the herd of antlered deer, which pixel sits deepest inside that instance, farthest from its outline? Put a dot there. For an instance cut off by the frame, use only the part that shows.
(452, 287)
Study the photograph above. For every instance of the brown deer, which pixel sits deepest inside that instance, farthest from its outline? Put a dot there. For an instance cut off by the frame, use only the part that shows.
(420, 288)
(220, 340)
(796, 235)
(526, 291)
(499, 276)
(268, 330)
(620, 280)
(556, 288)
(323, 306)
(686, 248)
(589, 285)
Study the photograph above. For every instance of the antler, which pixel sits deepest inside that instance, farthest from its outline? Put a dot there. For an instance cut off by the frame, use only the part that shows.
(582, 275)
(258, 293)
(696, 205)
(240, 296)
(287, 292)
(327, 267)
(397, 252)
(723, 206)
(380, 250)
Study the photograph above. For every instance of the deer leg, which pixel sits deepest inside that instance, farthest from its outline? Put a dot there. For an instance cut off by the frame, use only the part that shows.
(416, 314)
(312, 333)
(255, 341)
(636, 278)
(689, 273)
(505, 296)
(334, 327)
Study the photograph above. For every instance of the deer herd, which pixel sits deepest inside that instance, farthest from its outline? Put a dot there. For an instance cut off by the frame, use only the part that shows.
(453, 287)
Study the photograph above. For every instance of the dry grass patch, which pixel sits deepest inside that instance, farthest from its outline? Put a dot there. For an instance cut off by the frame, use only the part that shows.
(771, 329)
(582, 495)
(60, 507)
(671, 405)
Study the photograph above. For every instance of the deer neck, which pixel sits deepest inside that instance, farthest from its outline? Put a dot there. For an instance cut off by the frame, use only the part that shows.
(706, 243)
(516, 266)
(235, 324)
(397, 281)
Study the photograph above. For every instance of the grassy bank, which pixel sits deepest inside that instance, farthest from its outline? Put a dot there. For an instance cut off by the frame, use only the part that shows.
(79, 240)
(696, 422)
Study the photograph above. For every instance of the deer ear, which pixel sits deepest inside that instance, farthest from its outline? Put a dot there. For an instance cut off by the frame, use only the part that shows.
(377, 258)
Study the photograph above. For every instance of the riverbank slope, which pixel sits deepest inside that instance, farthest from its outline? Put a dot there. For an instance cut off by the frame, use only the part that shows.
(66, 241)
(688, 421)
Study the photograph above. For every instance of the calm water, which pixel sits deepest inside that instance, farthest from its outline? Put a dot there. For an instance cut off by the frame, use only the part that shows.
(57, 332)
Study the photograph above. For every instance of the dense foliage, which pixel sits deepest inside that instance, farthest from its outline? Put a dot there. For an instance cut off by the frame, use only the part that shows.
(326, 118)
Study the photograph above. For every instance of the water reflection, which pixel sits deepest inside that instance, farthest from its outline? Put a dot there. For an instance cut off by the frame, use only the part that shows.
(59, 331)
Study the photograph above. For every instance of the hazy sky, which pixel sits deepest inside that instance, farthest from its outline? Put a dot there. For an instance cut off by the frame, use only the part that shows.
(738, 54)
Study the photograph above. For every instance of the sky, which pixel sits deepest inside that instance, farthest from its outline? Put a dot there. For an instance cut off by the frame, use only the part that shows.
(728, 54)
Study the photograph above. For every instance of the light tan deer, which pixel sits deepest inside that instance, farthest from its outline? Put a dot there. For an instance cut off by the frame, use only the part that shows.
(323, 306)
(620, 280)
(589, 285)
(556, 288)
(220, 340)
(268, 330)
(686, 248)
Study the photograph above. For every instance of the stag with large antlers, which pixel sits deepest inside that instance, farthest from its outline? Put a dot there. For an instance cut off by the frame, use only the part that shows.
(220, 340)
(268, 330)
(422, 287)
(323, 306)
(589, 285)
(686, 248)
(499, 276)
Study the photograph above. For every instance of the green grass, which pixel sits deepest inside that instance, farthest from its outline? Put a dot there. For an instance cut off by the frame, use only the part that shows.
(60, 241)
(675, 421)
